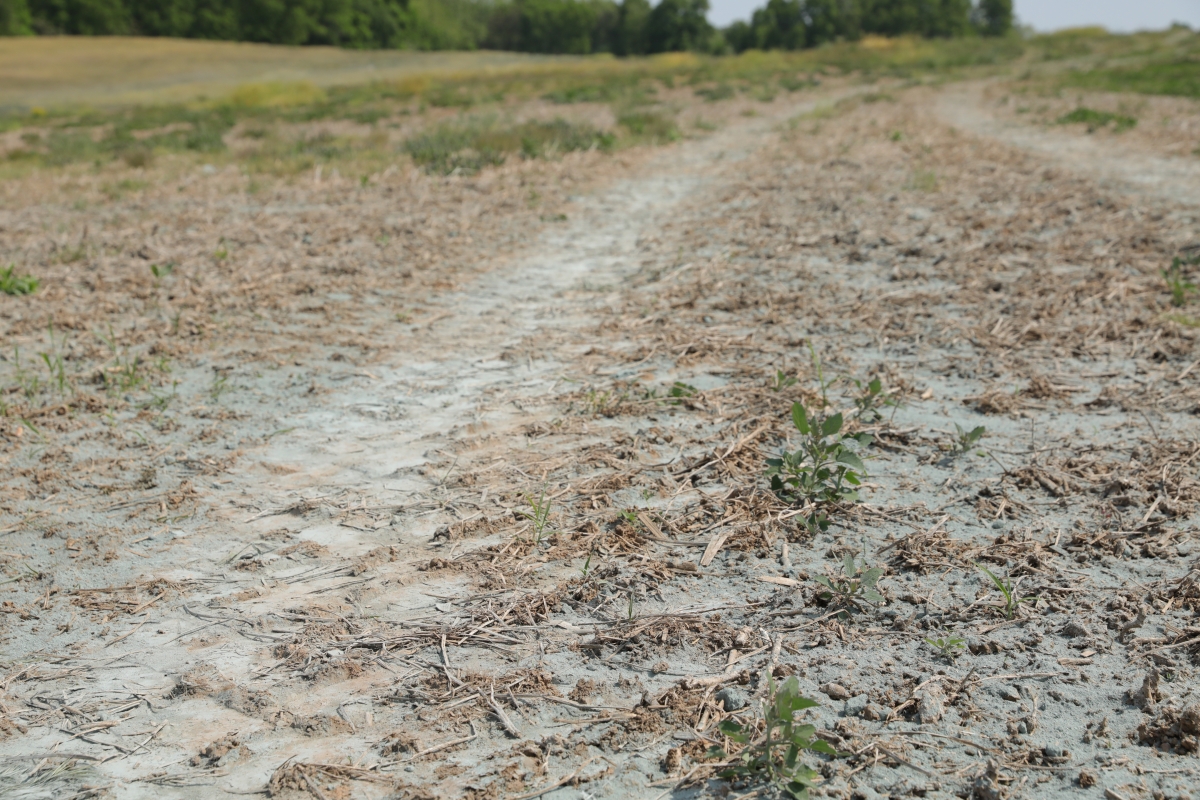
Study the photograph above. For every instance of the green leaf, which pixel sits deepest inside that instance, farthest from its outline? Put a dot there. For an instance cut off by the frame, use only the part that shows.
(821, 579)
(852, 479)
(800, 418)
(846, 457)
(730, 728)
(831, 425)
(872, 576)
(715, 752)
(872, 596)
(875, 387)
(992, 575)
(822, 746)
(848, 565)
(797, 790)
(804, 732)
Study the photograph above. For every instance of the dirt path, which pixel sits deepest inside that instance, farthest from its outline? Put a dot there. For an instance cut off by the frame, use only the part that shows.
(358, 478)
(1107, 161)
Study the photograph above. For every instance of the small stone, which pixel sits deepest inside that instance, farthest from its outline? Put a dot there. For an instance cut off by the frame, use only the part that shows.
(1010, 694)
(1054, 750)
(931, 704)
(856, 705)
(835, 691)
(1147, 694)
(987, 786)
(998, 525)
(1189, 720)
(1075, 629)
(732, 698)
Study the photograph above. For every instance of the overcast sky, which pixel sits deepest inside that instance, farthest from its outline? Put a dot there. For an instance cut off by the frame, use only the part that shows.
(1045, 15)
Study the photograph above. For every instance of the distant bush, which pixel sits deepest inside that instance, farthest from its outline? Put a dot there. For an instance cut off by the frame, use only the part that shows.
(797, 24)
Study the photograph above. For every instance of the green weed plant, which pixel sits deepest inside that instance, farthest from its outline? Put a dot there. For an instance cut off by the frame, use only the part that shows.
(771, 754)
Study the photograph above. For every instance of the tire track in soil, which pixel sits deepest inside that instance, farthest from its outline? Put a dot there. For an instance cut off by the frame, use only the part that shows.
(371, 458)
(1108, 161)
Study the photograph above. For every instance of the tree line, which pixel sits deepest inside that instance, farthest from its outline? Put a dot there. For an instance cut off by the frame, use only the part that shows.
(627, 27)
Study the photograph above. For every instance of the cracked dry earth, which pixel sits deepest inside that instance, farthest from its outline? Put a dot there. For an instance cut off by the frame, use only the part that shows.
(318, 568)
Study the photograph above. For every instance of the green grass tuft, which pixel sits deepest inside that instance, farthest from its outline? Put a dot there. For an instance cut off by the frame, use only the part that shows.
(468, 146)
(12, 284)
(1097, 119)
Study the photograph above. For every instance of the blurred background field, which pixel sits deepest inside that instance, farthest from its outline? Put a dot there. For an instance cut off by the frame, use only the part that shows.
(112, 70)
(281, 109)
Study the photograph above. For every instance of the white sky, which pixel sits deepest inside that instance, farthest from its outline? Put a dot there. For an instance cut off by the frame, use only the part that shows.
(1045, 15)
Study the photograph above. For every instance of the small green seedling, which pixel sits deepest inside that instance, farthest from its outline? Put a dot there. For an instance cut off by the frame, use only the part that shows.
(949, 648)
(539, 514)
(680, 390)
(853, 588)
(870, 399)
(964, 440)
(1012, 602)
(773, 756)
(782, 381)
(587, 565)
(219, 386)
(824, 470)
(14, 285)
(160, 271)
(1179, 285)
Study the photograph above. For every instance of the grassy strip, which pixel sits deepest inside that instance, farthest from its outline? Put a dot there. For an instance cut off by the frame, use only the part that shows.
(1180, 78)
(65, 136)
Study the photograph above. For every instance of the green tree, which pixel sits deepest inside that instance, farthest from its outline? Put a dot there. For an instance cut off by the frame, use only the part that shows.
(994, 17)
(162, 17)
(831, 20)
(779, 25)
(557, 26)
(740, 36)
(215, 19)
(677, 25)
(14, 18)
(80, 17)
(632, 20)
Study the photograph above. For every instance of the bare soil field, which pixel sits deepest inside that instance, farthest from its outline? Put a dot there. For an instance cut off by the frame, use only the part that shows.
(565, 477)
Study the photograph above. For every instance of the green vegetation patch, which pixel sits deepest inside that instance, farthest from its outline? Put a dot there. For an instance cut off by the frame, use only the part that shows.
(652, 127)
(1180, 78)
(12, 284)
(1097, 119)
(467, 146)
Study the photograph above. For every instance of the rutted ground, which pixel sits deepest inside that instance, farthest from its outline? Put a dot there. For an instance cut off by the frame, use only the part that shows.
(363, 599)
